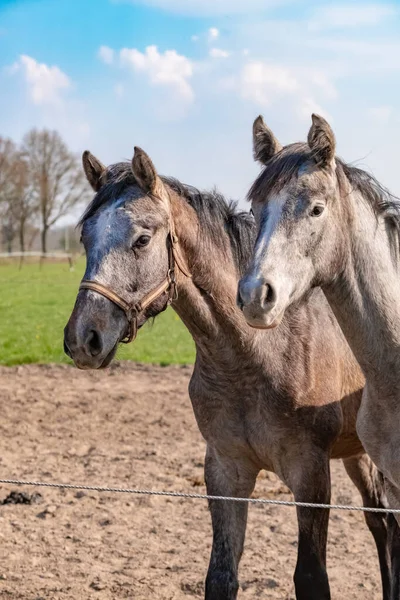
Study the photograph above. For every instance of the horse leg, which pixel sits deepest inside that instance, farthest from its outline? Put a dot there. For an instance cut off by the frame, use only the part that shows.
(226, 477)
(394, 546)
(369, 482)
(392, 493)
(310, 481)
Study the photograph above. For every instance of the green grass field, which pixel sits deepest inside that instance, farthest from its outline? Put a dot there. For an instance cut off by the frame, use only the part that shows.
(35, 306)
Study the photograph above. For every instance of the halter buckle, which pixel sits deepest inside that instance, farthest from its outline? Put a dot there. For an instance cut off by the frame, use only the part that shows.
(171, 276)
(132, 316)
(132, 331)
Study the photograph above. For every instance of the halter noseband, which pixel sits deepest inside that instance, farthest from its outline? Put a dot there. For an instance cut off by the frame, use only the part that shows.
(133, 311)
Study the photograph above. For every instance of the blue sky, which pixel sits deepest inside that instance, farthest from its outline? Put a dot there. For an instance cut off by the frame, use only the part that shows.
(184, 79)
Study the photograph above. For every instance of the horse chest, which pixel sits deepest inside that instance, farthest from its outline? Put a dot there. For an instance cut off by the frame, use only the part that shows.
(255, 420)
(236, 424)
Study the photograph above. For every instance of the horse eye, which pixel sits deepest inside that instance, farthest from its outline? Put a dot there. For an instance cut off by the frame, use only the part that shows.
(142, 241)
(317, 210)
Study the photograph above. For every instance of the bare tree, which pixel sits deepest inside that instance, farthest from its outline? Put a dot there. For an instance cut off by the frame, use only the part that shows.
(8, 230)
(18, 206)
(23, 203)
(7, 153)
(58, 182)
(7, 157)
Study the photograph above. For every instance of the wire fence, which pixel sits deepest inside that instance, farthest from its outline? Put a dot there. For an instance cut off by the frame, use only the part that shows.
(189, 496)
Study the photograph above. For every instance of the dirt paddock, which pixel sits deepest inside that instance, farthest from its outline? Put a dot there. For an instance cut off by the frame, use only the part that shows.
(132, 426)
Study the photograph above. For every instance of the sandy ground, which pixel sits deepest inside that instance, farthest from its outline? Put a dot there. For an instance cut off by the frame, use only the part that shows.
(133, 426)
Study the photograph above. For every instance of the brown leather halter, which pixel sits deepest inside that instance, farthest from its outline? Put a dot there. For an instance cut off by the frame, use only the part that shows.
(133, 311)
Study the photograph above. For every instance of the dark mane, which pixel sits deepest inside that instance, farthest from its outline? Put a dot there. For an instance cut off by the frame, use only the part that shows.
(216, 214)
(285, 165)
(381, 200)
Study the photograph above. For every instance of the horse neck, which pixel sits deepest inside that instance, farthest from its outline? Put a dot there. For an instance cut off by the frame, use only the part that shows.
(366, 296)
(207, 301)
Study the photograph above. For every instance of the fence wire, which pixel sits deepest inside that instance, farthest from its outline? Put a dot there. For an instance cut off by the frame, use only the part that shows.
(171, 494)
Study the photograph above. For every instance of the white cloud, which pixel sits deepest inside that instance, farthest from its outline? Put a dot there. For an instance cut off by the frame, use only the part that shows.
(218, 53)
(380, 114)
(213, 33)
(210, 7)
(106, 54)
(50, 101)
(167, 69)
(210, 35)
(45, 84)
(341, 16)
(265, 84)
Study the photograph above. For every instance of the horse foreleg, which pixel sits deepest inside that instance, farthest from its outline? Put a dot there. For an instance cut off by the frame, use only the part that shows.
(394, 546)
(369, 482)
(226, 477)
(393, 496)
(309, 480)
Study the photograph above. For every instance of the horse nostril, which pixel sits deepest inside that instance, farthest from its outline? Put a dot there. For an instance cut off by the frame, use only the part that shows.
(93, 343)
(270, 295)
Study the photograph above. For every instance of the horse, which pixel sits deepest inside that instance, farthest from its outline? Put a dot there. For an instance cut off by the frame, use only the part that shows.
(285, 400)
(324, 223)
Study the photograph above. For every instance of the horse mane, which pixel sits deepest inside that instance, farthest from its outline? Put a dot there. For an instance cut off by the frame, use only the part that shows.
(216, 214)
(381, 200)
(285, 165)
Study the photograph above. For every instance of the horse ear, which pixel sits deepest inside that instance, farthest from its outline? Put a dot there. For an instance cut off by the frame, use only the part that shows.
(94, 170)
(145, 173)
(265, 144)
(321, 140)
